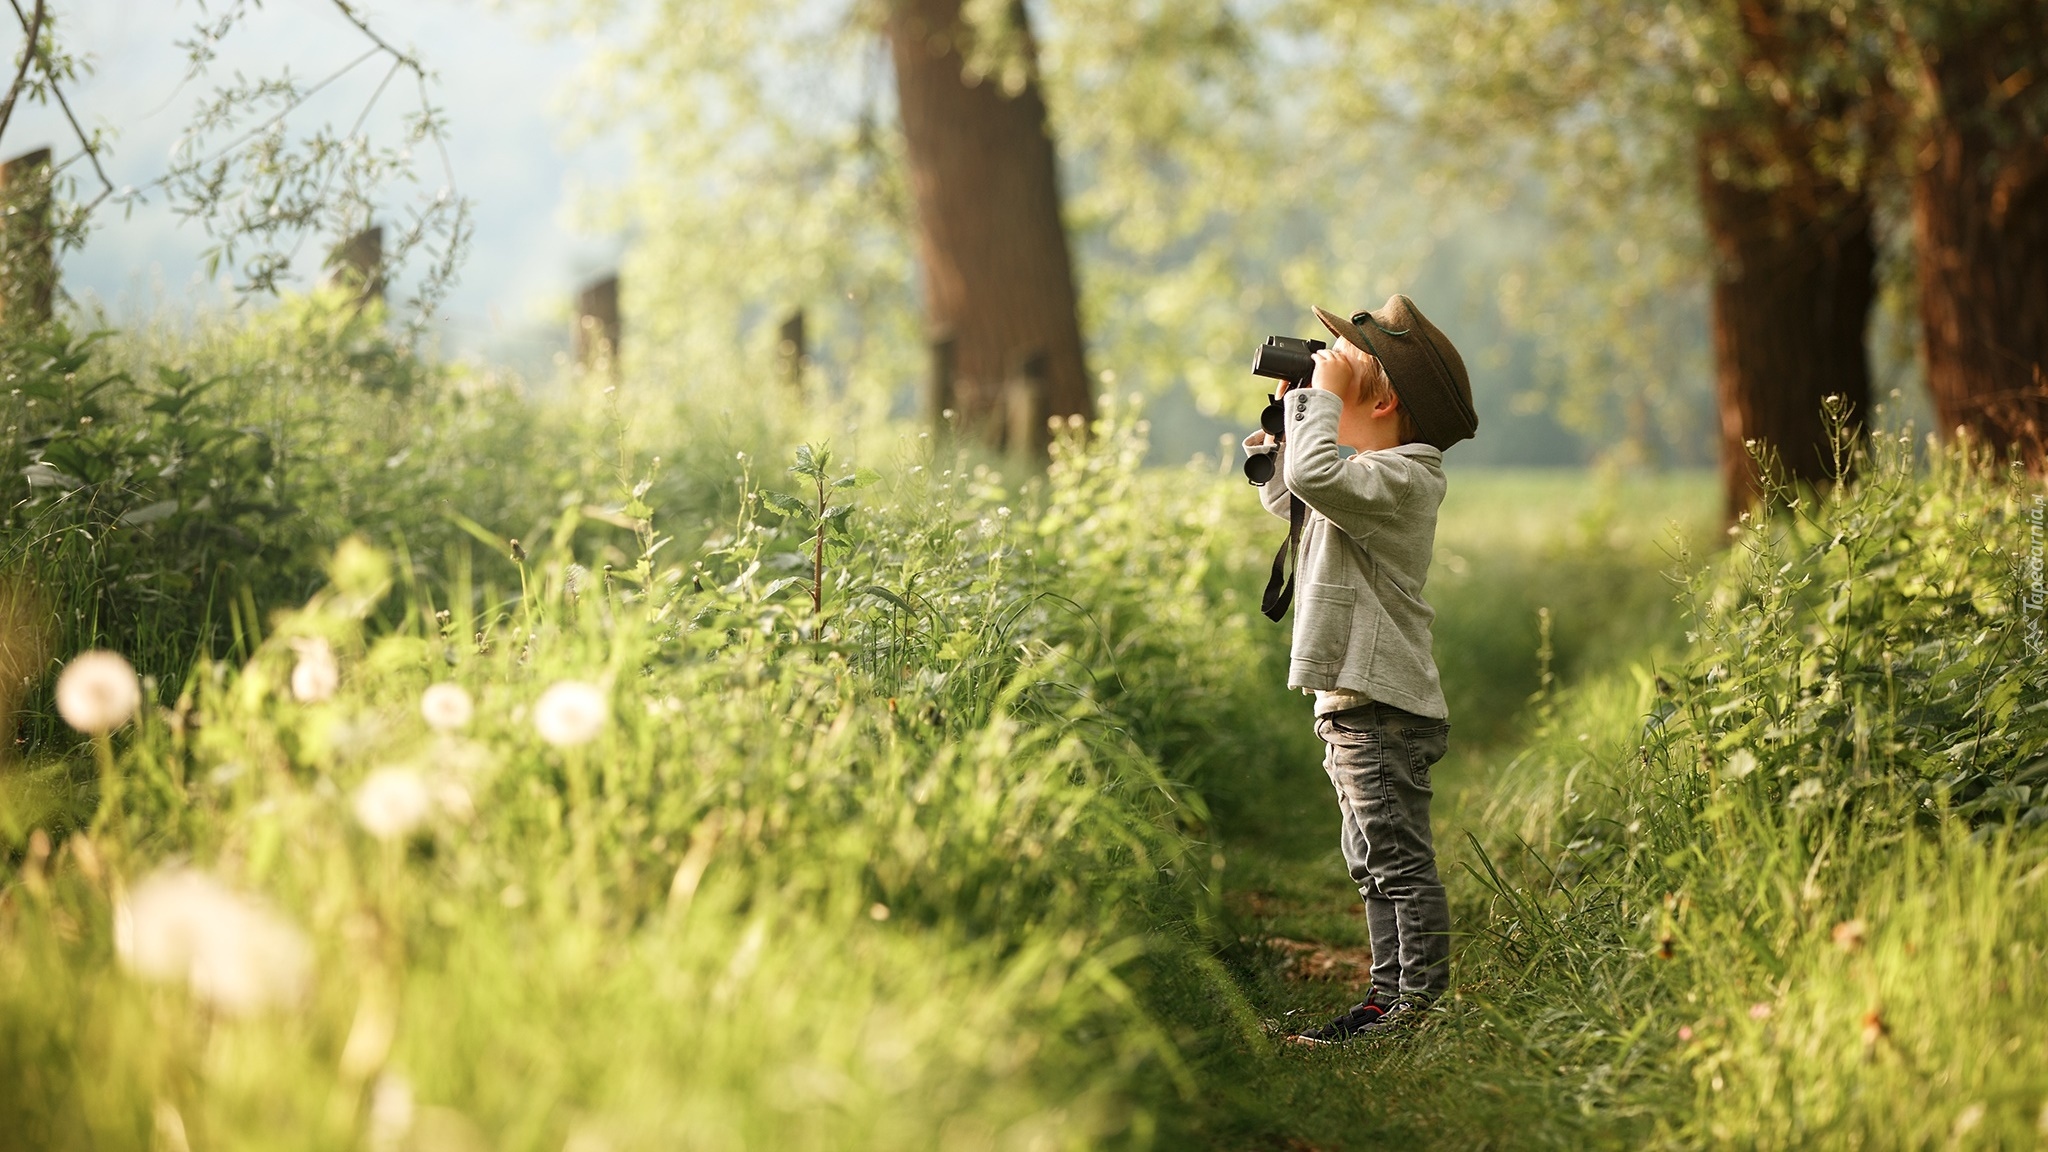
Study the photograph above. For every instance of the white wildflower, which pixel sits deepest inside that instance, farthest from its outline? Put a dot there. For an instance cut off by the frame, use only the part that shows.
(391, 1112)
(571, 712)
(447, 707)
(393, 802)
(98, 692)
(316, 675)
(454, 799)
(183, 925)
(170, 1127)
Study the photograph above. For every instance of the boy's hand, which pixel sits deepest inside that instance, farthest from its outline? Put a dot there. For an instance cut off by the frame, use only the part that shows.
(1337, 372)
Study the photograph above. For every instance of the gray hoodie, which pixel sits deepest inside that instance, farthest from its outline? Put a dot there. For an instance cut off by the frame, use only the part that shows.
(1360, 623)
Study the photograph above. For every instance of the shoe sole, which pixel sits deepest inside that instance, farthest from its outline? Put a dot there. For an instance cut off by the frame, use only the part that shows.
(1317, 1042)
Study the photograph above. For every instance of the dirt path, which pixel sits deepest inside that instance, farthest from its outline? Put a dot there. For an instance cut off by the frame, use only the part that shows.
(1301, 955)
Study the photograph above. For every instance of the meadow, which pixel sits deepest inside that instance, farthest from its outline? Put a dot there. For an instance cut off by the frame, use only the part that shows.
(627, 766)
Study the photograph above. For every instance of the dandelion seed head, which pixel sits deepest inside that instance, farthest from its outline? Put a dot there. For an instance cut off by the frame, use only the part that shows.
(391, 1112)
(392, 803)
(446, 707)
(182, 925)
(315, 676)
(571, 712)
(98, 692)
(454, 799)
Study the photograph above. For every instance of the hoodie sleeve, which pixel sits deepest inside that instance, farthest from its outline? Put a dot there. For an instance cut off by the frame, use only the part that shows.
(1357, 495)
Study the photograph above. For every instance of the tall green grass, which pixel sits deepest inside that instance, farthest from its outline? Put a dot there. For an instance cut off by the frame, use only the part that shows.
(939, 863)
(889, 874)
(1782, 888)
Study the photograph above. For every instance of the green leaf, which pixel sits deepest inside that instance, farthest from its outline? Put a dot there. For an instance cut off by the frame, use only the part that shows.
(881, 593)
(861, 478)
(489, 539)
(777, 587)
(808, 463)
(784, 503)
(150, 513)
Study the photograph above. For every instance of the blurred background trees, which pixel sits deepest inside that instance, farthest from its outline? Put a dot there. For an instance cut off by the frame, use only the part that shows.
(1795, 131)
(272, 194)
(1663, 232)
(1976, 79)
(992, 242)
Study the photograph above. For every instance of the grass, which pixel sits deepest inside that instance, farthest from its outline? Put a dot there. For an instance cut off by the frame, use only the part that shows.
(1020, 840)
(1775, 885)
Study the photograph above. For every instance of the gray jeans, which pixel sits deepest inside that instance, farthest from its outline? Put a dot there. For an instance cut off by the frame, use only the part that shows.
(1378, 757)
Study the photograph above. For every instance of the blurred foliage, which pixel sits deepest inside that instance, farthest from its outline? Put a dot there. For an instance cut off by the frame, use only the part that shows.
(929, 845)
(1224, 166)
(1604, 116)
(171, 487)
(258, 188)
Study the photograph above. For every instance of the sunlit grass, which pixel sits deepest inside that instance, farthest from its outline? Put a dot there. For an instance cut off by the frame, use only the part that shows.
(613, 840)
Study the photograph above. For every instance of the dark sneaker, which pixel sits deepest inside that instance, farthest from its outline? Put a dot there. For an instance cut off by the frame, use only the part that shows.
(1404, 1013)
(1361, 1017)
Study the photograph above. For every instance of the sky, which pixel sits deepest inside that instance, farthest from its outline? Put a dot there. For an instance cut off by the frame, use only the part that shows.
(507, 74)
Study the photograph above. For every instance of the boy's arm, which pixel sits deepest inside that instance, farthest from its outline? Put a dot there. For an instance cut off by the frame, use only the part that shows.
(1356, 496)
(1273, 493)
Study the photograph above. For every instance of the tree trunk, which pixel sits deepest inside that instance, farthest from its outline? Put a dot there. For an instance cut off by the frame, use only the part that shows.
(1793, 287)
(998, 277)
(1980, 232)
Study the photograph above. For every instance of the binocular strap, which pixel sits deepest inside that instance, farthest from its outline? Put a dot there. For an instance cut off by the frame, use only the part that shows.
(1279, 592)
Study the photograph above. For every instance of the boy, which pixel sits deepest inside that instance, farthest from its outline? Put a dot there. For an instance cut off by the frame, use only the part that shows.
(1394, 389)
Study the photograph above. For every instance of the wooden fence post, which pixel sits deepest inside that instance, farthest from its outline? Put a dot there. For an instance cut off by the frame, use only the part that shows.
(597, 324)
(356, 265)
(28, 269)
(790, 352)
(1024, 434)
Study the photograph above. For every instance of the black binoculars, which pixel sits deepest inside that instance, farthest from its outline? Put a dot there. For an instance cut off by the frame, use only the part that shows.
(1279, 358)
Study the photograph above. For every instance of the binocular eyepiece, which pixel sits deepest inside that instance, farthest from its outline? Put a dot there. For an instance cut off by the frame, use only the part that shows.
(1279, 358)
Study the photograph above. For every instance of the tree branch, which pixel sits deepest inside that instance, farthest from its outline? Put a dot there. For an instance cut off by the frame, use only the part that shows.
(87, 146)
(29, 53)
(348, 13)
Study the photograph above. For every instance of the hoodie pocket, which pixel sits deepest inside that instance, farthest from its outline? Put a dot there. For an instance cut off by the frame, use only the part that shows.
(1322, 625)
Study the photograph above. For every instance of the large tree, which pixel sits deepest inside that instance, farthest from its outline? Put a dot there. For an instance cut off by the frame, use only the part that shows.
(897, 169)
(1979, 171)
(1793, 254)
(1725, 143)
(998, 277)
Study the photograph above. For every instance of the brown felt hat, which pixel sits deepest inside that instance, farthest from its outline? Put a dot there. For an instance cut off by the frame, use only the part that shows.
(1425, 369)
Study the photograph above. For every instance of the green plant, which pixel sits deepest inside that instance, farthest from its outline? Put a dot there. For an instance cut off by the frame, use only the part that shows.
(823, 518)
(1766, 890)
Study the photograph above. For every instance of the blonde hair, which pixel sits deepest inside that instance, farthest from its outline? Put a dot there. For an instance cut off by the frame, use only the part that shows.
(1374, 387)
